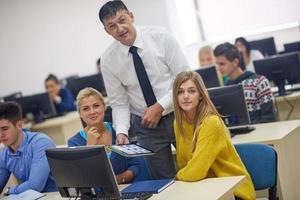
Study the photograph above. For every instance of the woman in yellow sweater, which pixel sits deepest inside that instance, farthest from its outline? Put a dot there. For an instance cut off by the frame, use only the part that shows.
(203, 144)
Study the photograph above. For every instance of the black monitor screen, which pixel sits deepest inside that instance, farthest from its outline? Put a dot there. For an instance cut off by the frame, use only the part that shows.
(292, 47)
(265, 46)
(38, 106)
(230, 103)
(82, 172)
(95, 81)
(12, 97)
(209, 76)
(280, 69)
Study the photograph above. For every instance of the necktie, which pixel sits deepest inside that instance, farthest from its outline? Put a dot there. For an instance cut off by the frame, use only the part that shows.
(143, 78)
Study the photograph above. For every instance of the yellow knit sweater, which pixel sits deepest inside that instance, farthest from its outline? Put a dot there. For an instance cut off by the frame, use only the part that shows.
(214, 155)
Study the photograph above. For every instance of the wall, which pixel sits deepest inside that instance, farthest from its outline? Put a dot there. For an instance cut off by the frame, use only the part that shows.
(64, 37)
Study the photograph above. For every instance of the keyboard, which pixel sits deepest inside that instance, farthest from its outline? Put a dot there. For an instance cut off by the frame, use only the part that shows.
(240, 130)
(127, 196)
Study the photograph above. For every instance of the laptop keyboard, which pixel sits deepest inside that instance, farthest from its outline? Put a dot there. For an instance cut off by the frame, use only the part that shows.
(128, 196)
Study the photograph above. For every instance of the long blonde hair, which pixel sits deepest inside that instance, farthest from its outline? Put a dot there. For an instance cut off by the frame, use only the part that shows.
(204, 107)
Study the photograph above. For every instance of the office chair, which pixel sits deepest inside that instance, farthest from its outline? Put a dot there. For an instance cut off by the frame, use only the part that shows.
(261, 163)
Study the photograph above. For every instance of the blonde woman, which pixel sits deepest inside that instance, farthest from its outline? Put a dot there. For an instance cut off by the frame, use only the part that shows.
(203, 145)
(91, 107)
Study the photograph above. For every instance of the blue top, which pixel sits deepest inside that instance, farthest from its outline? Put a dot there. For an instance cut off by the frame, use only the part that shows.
(28, 164)
(119, 163)
(67, 101)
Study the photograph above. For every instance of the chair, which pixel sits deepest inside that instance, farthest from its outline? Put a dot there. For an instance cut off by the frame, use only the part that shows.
(261, 163)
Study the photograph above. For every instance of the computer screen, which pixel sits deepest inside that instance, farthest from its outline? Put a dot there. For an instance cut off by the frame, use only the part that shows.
(266, 46)
(292, 47)
(13, 96)
(38, 106)
(281, 69)
(230, 103)
(209, 76)
(95, 81)
(83, 172)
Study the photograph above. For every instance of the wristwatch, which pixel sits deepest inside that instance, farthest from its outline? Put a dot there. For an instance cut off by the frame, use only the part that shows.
(6, 191)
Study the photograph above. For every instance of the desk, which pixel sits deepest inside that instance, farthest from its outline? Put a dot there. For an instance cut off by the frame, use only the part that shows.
(284, 136)
(288, 106)
(60, 129)
(208, 189)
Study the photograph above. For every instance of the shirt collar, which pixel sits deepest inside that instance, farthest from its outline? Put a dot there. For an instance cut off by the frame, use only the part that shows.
(22, 146)
(137, 43)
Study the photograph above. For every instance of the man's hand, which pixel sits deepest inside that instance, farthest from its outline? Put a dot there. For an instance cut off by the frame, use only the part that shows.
(152, 115)
(122, 138)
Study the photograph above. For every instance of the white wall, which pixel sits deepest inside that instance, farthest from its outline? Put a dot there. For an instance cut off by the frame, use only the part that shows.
(63, 37)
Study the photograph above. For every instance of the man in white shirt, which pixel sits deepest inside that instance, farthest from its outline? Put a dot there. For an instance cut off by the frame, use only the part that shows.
(147, 93)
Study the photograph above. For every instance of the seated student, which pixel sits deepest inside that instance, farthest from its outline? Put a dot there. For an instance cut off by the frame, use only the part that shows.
(91, 109)
(24, 153)
(62, 97)
(248, 54)
(207, 58)
(203, 145)
(258, 94)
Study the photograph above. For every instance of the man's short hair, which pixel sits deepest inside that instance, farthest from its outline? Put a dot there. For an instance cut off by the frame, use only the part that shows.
(228, 50)
(10, 111)
(110, 9)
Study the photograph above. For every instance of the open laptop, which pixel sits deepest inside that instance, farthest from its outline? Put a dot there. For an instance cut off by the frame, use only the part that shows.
(86, 173)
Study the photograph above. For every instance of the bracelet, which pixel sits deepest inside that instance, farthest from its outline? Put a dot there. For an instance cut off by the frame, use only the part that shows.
(123, 179)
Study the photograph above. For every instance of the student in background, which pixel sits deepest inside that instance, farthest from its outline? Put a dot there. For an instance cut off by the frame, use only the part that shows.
(24, 153)
(203, 145)
(258, 94)
(207, 58)
(138, 70)
(62, 97)
(91, 107)
(248, 54)
(98, 65)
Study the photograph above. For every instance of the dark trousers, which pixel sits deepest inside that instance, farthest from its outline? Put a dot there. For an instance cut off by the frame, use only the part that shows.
(159, 140)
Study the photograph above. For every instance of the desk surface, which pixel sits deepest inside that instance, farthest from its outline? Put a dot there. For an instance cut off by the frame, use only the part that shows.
(208, 189)
(57, 120)
(268, 133)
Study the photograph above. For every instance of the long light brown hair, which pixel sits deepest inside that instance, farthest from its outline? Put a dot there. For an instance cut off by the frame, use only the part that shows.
(204, 107)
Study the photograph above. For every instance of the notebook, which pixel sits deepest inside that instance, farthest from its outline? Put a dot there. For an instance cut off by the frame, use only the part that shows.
(27, 195)
(149, 186)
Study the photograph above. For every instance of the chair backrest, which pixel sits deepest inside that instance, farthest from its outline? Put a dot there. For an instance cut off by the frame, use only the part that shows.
(261, 163)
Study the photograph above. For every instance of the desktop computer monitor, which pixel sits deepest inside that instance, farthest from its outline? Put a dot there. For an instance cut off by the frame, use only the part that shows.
(292, 47)
(230, 103)
(83, 172)
(209, 76)
(280, 69)
(12, 97)
(37, 107)
(95, 81)
(265, 46)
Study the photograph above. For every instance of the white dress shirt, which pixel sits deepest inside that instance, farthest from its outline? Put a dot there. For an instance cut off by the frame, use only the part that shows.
(163, 60)
(254, 55)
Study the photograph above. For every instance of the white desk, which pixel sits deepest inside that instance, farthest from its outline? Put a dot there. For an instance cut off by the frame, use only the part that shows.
(60, 129)
(284, 136)
(288, 106)
(208, 189)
